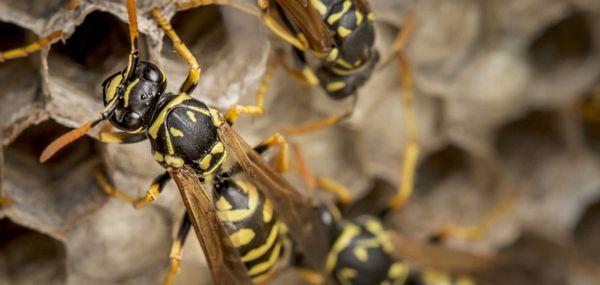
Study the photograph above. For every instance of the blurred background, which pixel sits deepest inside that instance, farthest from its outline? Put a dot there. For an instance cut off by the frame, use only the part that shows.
(507, 99)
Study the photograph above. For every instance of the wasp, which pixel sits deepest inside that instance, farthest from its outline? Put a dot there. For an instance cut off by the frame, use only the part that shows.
(362, 251)
(340, 34)
(243, 230)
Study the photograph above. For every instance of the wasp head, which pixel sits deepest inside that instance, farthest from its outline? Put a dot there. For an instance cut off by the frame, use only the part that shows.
(137, 96)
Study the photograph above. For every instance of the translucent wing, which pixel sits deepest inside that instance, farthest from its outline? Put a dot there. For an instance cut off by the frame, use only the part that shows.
(308, 20)
(425, 255)
(295, 210)
(223, 259)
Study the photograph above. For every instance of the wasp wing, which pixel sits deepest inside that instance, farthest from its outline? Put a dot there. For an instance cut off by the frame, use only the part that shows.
(424, 255)
(295, 210)
(308, 20)
(223, 258)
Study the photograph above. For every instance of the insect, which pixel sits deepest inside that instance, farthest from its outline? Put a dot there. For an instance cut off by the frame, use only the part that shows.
(192, 140)
(341, 35)
(362, 251)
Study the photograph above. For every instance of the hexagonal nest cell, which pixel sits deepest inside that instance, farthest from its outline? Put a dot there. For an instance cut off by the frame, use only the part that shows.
(30, 257)
(497, 93)
(98, 47)
(66, 179)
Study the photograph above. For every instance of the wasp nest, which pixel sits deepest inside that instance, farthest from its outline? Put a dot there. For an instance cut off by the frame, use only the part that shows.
(496, 85)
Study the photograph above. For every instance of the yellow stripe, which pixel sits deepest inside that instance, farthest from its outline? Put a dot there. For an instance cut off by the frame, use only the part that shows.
(223, 205)
(267, 211)
(191, 115)
(176, 133)
(217, 148)
(128, 91)
(205, 162)
(342, 242)
(267, 264)
(319, 6)
(203, 111)
(343, 31)
(335, 86)
(242, 237)
(359, 17)
(241, 214)
(398, 270)
(111, 89)
(159, 156)
(153, 130)
(259, 251)
(336, 16)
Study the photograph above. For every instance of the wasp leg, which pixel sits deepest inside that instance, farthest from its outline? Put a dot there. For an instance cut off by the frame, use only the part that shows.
(157, 186)
(31, 48)
(282, 158)
(281, 31)
(304, 74)
(257, 109)
(411, 150)
(342, 193)
(478, 230)
(121, 137)
(177, 249)
(405, 34)
(196, 3)
(320, 124)
(182, 51)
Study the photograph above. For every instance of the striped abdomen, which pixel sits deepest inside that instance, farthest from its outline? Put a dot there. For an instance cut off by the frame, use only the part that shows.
(363, 255)
(253, 227)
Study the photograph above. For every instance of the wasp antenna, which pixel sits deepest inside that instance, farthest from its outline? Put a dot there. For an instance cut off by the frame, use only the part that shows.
(65, 140)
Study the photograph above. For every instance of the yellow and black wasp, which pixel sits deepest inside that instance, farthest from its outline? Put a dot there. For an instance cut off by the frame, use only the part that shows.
(244, 231)
(341, 35)
(363, 252)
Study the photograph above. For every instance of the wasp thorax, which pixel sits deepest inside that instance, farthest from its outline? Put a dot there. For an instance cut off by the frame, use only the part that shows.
(137, 96)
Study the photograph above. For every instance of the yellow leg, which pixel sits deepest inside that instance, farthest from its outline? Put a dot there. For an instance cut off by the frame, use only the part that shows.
(321, 124)
(342, 194)
(31, 48)
(177, 250)
(182, 51)
(411, 151)
(151, 195)
(475, 231)
(258, 108)
(282, 158)
(186, 5)
(314, 126)
(404, 35)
